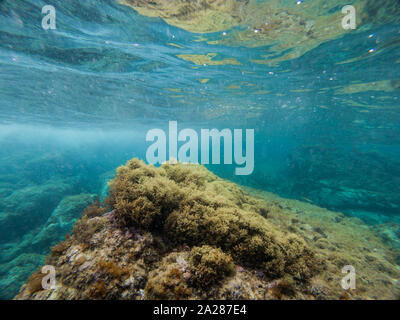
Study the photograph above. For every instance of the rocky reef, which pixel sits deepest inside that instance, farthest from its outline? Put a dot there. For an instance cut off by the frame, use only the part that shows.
(318, 177)
(40, 200)
(24, 249)
(180, 232)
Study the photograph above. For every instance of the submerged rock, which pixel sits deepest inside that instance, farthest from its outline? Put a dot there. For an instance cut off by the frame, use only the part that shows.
(19, 258)
(180, 232)
(14, 273)
(31, 206)
(62, 220)
(390, 233)
(315, 174)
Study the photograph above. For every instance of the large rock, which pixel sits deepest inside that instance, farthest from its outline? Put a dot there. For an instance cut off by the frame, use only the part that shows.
(180, 232)
(15, 272)
(62, 220)
(20, 258)
(29, 207)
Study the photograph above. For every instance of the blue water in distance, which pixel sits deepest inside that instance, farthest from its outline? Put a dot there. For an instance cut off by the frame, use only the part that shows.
(77, 101)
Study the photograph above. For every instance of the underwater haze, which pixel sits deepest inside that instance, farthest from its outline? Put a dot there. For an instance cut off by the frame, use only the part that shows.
(77, 100)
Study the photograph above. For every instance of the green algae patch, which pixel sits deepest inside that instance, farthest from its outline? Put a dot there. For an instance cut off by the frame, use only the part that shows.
(209, 266)
(168, 280)
(190, 206)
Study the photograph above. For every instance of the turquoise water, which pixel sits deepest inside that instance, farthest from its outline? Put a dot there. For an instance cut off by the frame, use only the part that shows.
(77, 101)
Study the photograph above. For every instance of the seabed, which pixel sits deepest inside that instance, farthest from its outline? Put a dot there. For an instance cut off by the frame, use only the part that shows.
(180, 232)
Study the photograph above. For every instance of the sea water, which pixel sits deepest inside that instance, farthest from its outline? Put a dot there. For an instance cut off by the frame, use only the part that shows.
(83, 82)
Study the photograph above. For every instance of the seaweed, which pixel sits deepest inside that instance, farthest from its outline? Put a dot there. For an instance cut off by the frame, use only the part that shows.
(190, 206)
(208, 266)
(167, 283)
(95, 209)
(35, 282)
(112, 269)
(98, 290)
(85, 228)
(285, 287)
(60, 248)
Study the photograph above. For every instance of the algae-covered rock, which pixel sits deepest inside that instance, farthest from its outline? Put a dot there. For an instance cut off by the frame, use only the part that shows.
(31, 206)
(21, 257)
(15, 272)
(315, 175)
(62, 220)
(180, 202)
(180, 232)
(168, 281)
(390, 233)
(209, 265)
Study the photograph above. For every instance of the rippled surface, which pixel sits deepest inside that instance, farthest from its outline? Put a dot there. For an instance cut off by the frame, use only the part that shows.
(106, 63)
(324, 102)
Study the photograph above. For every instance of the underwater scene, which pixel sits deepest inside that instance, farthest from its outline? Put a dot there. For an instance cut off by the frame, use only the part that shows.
(200, 149)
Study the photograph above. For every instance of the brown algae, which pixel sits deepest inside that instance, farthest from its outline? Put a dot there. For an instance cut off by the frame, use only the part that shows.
(180, 232)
